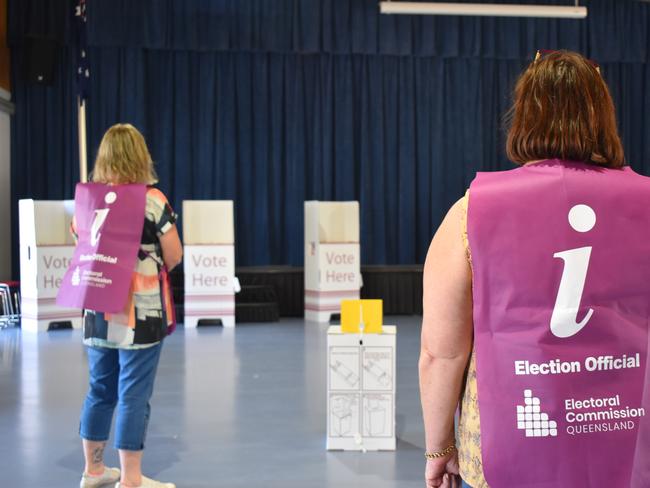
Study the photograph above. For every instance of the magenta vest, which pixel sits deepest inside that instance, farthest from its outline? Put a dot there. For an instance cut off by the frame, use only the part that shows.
(109, 228)
(561, 287)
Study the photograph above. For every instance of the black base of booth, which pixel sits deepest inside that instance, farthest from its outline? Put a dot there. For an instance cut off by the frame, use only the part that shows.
(399, 286)
(269, 291)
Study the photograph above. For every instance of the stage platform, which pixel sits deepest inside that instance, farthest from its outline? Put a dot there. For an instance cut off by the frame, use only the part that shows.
(400, 287)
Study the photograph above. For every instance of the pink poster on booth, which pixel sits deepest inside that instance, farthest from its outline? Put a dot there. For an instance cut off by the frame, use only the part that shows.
(109, 221)
(561, 288)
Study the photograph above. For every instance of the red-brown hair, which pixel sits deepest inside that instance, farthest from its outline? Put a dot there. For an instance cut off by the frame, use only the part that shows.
(562, 109)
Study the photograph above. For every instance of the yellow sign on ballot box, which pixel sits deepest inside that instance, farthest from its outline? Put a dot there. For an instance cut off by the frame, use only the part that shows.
(361, 316)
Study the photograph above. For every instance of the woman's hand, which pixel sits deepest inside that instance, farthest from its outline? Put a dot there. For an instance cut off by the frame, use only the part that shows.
(442, 472)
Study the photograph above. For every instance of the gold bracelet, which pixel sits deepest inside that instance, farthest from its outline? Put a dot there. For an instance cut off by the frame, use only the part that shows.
(440, 454)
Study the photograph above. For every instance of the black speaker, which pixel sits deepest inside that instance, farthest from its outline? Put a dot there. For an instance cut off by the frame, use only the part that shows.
(41, 60)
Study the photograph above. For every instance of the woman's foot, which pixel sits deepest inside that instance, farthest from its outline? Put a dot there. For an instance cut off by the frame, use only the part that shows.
(148, 483)
(109, 476)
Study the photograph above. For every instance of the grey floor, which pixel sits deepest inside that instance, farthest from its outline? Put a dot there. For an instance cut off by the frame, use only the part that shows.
(231, 408)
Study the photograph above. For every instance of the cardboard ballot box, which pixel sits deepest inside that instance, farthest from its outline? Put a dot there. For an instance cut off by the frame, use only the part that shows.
(209, 261)
(361, 371)
(332, 257)
(46, 249)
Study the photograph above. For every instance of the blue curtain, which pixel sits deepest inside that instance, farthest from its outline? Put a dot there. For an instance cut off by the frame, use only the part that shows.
(616, 30)
(274, 103)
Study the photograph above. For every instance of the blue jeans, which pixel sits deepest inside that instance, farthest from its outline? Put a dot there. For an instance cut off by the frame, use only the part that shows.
(122, 378)
(465, 485)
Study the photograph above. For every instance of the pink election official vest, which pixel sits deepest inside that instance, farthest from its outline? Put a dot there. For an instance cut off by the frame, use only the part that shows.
(109, 225)
(561, 286)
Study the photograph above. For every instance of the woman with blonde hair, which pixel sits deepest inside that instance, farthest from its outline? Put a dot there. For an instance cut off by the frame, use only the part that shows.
(124, 348)
(537, 302)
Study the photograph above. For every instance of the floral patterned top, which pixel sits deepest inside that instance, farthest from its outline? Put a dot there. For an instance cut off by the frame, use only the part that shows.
(469, 425)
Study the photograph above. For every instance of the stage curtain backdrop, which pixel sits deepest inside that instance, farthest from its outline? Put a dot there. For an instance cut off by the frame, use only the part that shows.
(274, 103)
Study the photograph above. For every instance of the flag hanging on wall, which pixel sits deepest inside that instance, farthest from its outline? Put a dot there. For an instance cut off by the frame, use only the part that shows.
(83, 66)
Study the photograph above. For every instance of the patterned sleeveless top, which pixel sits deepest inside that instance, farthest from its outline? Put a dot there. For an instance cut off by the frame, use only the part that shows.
(469, 425)
(148, 309)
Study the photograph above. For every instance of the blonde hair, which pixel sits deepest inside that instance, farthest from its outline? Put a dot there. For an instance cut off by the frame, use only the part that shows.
(123, 157)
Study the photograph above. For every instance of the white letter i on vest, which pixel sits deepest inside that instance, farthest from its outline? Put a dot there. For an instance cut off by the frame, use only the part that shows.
(564, 321)
(100, 218)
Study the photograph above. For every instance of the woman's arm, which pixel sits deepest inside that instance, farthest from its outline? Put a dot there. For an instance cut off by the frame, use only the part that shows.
(73, 230)
(446, 341)
(172, 249)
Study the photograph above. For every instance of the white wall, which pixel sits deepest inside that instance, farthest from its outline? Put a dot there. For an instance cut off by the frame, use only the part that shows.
(5, 189)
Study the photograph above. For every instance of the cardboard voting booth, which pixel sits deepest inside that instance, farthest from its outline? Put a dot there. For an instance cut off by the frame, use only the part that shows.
(209, 261)
(361, 384)
(46, 248)
(332, 257)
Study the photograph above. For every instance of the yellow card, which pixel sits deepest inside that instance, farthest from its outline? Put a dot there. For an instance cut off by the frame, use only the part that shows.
(356, 314)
